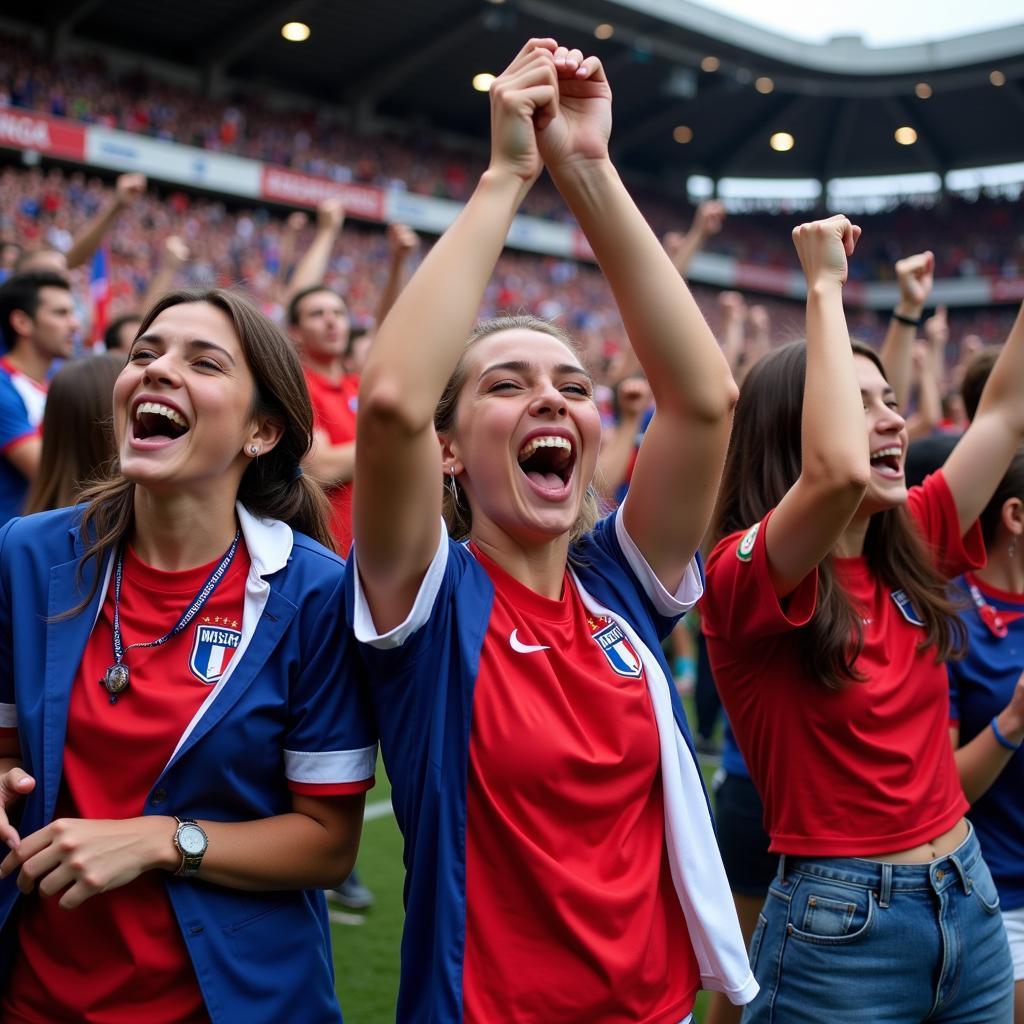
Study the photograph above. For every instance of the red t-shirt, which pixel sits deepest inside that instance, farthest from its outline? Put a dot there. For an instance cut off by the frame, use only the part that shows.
(120, 956)
(571, 913)
(868, 768)
(334, 412)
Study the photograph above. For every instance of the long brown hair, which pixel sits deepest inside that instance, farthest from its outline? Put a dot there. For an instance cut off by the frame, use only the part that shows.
(763, 463)
(454, 503)
(78, 431)
(273, 486)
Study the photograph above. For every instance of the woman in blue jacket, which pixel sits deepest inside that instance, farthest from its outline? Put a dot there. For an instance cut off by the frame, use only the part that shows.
(183, 762)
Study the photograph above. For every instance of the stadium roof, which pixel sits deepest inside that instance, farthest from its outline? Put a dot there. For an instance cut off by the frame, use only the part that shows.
(678, 70)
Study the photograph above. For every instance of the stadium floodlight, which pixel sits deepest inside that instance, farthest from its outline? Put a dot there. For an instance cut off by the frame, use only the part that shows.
(604, 30)
(922, 90)
(682, 133)
(295, 31)
(764, 85)
(483, 81)
(905, 135)
(997, 78)
(782, 142)
(710, 64)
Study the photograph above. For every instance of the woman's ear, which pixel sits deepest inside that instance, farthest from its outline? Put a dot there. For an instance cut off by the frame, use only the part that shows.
(1012, 516)
(450, 460)
(265, 434)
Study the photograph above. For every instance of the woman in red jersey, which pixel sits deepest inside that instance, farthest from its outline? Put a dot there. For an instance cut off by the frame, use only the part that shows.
(561, 862)
(827, 620)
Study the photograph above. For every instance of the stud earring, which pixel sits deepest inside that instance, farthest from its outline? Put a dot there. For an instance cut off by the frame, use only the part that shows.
(254, 450)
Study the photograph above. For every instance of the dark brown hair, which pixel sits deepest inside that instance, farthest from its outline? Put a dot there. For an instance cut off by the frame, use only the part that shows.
(272, 487)
(78, 431)
(454, 503)
(763, 463)
(976, 374)
(1011, 486)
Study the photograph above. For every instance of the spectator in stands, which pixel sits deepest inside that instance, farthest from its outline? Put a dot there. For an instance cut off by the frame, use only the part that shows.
(827, 624)
(38, 323)
(198, 561)
(121, 332)
(78, 431)
(523, 903)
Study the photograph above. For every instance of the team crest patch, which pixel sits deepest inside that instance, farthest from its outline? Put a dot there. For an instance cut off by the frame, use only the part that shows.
(214, 644)
(617, 649)
(745, 550)
(907, 610)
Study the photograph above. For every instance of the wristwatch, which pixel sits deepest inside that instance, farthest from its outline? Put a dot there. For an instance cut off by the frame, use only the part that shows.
(191, 842)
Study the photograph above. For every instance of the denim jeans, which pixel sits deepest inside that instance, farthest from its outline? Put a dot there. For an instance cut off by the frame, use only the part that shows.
(851, 941)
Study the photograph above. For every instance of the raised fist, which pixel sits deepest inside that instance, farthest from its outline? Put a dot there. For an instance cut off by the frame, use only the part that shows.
(733, 306)
(402, 240)
(709, 217)
(915, 276)
(330, 214)
(129, 187)
(634, 396)
(823, 247)
(176, 249)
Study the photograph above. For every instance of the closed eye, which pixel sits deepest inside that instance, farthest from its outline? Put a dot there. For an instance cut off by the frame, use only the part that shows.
(503, 385)
(577, 389)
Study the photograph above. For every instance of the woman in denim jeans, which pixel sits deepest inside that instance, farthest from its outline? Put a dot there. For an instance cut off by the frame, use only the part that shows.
(827, 619)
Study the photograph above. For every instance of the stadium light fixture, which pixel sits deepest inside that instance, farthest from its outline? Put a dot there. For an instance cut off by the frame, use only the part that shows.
(710, 64)
(782, 142)
(295, 31)
(997, 78)
(905, 135)
(604, 30)
(483, 81)
(683, 134)
(922, 90)
(764, 85)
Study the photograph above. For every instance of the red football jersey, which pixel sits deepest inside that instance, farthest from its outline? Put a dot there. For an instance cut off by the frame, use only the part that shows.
(862, 770)
(334, 412)
(571, 913)
(120, 955)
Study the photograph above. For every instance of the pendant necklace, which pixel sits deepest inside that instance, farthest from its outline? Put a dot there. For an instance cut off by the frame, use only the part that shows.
(117, 678)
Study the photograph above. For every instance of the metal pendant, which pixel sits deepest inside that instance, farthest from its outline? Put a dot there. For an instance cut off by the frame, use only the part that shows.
(115, 681)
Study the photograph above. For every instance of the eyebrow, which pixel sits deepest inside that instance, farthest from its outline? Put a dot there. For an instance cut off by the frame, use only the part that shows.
(522, 366)
(195, 343)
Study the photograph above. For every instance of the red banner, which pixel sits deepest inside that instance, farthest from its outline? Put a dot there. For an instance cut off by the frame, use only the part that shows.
(50, 135)
(1007, 289)
(297, 189)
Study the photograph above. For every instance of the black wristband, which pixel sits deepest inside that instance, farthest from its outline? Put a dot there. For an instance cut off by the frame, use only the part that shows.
(908, 320)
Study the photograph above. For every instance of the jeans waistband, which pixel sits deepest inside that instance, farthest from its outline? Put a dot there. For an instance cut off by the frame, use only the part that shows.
(885, 877)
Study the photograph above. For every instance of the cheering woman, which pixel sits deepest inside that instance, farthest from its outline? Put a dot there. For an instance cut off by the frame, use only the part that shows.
(560, 855)
(827, 619)
(184, 759)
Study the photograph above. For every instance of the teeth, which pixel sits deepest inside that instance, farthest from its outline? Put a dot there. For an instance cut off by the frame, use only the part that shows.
(161, 410)
(544, 442)
(885, 453)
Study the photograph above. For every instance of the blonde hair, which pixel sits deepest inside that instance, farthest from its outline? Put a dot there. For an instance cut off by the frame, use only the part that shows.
(454, 504)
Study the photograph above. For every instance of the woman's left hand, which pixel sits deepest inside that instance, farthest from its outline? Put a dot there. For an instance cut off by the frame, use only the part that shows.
(81, 857)
(583, 124)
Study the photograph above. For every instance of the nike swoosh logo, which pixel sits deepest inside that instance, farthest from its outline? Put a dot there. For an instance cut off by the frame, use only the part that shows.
(517, 645)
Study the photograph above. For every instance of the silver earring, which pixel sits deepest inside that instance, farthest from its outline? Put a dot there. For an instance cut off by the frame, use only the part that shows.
(254, 450)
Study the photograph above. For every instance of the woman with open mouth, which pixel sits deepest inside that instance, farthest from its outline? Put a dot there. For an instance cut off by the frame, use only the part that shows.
(561, 860)
(828, 621)
(179, 730)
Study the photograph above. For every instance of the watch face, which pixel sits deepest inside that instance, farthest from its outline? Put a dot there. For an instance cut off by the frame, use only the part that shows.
(191, 839)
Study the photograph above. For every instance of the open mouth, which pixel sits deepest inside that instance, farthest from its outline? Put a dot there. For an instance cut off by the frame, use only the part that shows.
(887, 461)
(547, 461)
(154, 421)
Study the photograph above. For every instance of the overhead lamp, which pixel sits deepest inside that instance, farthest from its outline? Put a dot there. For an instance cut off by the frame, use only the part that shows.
(764, 85)
(922, 90)
(483, 81)
(782, 142)
(295, 31)
(604, 30)
(997, 78)
(905, 135)
(682, 133)
(710, 64)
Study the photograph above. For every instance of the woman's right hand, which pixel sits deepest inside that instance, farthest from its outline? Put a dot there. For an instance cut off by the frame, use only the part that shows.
(524, 100)
(14, 784)
(823, 247)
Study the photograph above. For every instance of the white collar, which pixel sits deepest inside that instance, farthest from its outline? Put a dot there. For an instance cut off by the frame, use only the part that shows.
(268, 541)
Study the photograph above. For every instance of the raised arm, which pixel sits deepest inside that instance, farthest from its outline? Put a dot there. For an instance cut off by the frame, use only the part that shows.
(618, 442)
(707, 221)
(402, 243)
(312, 266)
(835, 464)
(174, 256)
(929, 402)
(915, 276)
(734, 324)
(127, 189)
(981, 457)
(980, 761)
(397, 498)
(674, 483)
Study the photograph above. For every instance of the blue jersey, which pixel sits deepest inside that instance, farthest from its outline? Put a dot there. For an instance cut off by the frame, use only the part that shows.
(423, 673)
(22, 401)
(285, 710)
(980, 687)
